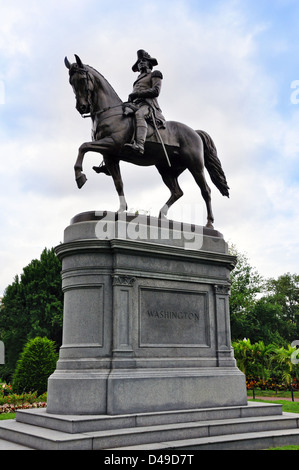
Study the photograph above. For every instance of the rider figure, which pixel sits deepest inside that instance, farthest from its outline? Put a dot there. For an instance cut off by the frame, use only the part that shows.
(146, 90)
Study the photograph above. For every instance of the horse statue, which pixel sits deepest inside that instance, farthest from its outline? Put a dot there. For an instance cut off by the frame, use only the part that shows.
(172, 150)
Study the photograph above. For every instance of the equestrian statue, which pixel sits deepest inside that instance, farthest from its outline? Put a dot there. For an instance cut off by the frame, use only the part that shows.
(137, 132)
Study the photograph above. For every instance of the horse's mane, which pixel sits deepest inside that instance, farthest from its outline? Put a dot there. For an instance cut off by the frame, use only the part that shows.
(102, 78)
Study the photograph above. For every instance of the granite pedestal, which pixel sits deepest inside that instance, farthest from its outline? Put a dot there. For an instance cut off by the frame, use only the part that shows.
(146, 318)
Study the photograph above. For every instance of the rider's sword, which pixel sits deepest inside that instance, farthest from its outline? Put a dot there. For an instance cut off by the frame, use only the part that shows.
(160, 138)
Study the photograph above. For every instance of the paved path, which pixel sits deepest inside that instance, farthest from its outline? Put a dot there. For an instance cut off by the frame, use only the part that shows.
(274, 398)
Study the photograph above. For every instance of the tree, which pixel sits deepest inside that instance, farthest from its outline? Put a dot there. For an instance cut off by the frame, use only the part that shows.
(253, 358)
(262, 356)
(32, 306)
(13, 326)
(243, 351)
(284, 292)
(246, 283)
(265, 323)
(263, 310)
(37, 362)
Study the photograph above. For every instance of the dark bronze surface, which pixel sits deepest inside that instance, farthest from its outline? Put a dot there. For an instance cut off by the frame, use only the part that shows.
(123, 131)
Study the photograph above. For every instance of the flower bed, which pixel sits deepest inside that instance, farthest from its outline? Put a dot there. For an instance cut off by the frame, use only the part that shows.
(270, 384)
(12, 408)
(11, 402)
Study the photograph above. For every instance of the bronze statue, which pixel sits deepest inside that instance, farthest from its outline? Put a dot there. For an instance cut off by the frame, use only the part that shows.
(146, 90)
(172, 148)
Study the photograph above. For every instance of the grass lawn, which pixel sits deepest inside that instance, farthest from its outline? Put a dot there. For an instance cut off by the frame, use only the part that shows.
(287, 406)
(7, 415)
(272, 393)
(286, 448)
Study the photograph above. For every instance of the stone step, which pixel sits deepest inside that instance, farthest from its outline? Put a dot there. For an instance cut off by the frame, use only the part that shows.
(244, 441)
(39, 438)
(180, 434)
(7, 445)
(177, 432)
(88, 423)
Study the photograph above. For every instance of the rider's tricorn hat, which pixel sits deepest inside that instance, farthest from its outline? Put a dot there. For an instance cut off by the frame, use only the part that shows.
(141, 54)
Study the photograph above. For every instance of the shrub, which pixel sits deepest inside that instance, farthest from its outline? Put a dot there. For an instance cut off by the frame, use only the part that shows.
(36, 363)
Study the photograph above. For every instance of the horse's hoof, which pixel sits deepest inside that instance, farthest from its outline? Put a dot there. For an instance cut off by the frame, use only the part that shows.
(210, 225)
(81, 180)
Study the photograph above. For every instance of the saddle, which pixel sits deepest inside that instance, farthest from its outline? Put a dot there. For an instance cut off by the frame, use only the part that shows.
(165, 132)
(129, 109)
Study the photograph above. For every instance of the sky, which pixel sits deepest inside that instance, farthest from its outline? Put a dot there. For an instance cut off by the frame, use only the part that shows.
(230, 67)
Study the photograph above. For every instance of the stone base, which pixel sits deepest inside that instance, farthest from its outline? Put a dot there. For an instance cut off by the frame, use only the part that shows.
(144, 390)
(146, 319)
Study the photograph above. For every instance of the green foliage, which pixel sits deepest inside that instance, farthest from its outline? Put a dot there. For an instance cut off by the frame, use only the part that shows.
(260, 309)
(10, 402)
(289, 368)
(266, 363)
(32, 306)
(37, 362)
(246, 283)
(284, 448)
(284, 292)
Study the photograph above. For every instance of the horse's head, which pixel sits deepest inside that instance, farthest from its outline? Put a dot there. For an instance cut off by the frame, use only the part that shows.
(82, 85)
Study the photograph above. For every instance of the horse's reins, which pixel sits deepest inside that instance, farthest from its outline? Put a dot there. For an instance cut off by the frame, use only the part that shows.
(100, 111)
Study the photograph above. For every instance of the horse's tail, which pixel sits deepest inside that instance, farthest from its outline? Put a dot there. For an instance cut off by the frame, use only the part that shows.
(213, 164)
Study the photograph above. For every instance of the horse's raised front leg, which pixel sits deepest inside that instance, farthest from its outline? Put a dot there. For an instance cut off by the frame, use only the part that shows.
(99, 146)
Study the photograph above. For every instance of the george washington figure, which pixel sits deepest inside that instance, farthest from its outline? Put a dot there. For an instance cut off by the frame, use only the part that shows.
(146, 90)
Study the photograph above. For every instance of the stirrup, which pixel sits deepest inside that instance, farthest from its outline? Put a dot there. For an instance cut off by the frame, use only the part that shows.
(135, 148)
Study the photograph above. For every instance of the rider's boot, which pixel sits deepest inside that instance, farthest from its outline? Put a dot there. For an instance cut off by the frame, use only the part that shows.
(138, 145)
(101, 169)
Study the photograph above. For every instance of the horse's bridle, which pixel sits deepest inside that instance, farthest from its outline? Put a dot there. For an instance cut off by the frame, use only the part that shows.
(85, 73)
(91, 114)
(100, 111)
